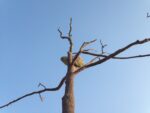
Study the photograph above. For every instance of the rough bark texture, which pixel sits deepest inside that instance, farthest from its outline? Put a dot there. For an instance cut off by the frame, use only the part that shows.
(68, 104)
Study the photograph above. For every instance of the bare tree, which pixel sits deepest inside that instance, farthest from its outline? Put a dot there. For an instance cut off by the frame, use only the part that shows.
(68, 104)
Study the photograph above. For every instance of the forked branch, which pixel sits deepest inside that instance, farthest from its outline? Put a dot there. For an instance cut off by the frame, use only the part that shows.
(69, 37)
(113, 55)
(119, 51)
(36, 92)
(81, 50)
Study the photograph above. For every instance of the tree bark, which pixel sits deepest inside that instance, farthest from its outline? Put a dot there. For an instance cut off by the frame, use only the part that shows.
(68, 104)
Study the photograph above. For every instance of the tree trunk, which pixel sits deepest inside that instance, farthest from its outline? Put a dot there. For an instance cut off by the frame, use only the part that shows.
(68, 104)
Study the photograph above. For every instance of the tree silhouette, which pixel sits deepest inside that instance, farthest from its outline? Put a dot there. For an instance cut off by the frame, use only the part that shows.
(68, 104)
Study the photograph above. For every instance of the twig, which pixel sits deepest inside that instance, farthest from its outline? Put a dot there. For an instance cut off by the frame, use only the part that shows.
(87, 43)
(70, 28)
(102, 47)
(91, 61)
(61, 35)
(40, 84)
(41, 98)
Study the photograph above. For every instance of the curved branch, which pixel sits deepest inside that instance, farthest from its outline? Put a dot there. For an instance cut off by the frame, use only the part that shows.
(35, 92)
(69, 37)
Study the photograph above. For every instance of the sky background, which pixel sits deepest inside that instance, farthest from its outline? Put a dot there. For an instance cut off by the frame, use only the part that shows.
(30, 51)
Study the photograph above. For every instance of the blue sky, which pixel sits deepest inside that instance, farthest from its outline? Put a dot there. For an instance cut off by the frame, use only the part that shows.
(31, 48)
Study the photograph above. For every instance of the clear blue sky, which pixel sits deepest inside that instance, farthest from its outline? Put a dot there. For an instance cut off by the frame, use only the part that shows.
(30, 50)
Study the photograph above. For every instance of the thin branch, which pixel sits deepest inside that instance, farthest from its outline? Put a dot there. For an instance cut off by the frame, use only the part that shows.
(91, 61)
(61, 35)
(81, 49)
(69, 38)
(119, 51)
(41, 98)
(114, 54)
(70, 28)
(121, 58)
(40, 84)
(76, 57)
(35, 92)
(87, 43)
(102, 47)
(86, 50)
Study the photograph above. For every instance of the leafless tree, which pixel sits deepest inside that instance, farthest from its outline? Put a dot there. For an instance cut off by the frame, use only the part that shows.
(68, 104)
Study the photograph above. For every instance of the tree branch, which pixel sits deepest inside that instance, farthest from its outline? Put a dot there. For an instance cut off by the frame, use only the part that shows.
(102, 47)
(35, 92)
(114, 54)
(121, 58)
(70, 28)
(119, 51)
(69, 38)
(81, 50)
